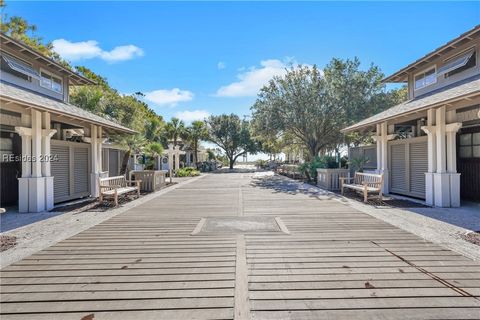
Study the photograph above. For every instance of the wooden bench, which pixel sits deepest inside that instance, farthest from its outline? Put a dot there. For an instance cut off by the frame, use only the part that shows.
(112, 187)
(364, 182)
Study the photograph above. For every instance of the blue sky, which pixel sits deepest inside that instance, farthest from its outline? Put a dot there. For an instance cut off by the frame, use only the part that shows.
(193, 59)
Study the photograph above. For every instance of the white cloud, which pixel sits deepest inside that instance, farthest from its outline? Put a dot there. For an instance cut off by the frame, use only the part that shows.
(168, 97)
(221, 65)
(90, 49)
(190, 116)
(253, 79)
(122, 53)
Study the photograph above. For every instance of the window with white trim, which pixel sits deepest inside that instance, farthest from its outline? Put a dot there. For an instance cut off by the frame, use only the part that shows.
(51, 82)
(426, 78)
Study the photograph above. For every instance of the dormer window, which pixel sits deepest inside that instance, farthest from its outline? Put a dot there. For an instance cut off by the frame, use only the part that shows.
(18, 68)
(51, 82)
(425, 78)
(459, 63)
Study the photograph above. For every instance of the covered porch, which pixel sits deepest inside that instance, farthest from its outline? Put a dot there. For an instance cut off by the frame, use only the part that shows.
(51, 150)
(428, 147)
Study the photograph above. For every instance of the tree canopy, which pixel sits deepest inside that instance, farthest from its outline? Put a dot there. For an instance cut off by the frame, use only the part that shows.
(312, 105)
(232, 135)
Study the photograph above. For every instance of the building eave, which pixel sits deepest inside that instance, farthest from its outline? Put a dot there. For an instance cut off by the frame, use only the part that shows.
(468, 90)
(60, 108)
(401, 75)
(75, 78)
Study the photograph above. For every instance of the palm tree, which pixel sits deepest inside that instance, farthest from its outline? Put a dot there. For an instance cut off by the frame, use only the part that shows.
(174, 129)
(194, 133)
(133, 144)
(154, 149)
(153, 129)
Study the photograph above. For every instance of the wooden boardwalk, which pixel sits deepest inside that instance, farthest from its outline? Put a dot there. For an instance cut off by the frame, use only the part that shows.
(336, 263)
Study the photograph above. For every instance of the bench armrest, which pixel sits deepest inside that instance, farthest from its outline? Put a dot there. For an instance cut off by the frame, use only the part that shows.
(345, 179)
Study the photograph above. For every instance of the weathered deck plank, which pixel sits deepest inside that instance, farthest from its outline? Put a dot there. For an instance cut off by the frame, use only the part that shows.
(336, 263)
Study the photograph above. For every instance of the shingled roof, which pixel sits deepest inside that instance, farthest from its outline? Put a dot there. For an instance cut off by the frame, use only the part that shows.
(456, 91)
(21, 96)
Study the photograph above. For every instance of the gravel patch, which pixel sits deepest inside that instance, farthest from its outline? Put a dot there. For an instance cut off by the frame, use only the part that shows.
(472, 237)
(7, 242)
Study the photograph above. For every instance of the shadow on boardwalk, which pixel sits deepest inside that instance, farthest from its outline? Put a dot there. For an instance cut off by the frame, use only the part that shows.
(280, 184)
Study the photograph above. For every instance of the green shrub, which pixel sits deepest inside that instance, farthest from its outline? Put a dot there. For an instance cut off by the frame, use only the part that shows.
(188, 172)
(309, 168)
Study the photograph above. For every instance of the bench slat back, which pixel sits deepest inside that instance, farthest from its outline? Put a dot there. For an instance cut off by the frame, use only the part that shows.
(112, 181)
(372, 180)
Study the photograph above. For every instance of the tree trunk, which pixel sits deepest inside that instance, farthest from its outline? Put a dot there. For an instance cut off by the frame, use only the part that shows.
(195, 154)
(232, 162)
(126, 156)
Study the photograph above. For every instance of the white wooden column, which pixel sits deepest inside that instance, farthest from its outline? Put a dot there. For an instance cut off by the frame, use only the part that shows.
(378, 139)
(451, 129)
(384, 157)
(36, 183)
(36, 143)
(26, 135)
(94, 161)
(441, 179)
(47, 134)
(99, 148)
(430, 130)
(441, 141)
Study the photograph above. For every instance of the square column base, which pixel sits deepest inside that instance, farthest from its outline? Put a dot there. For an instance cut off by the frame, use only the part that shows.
(429, 189)
(454, 190)
(49, 193)
(94, 187)
(447, 189)
(23, 195)
(36, 194)
(386, 181)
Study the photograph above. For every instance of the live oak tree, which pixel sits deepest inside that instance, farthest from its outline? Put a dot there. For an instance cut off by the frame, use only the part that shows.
(313, 105)
(297, 104)
(232, 135)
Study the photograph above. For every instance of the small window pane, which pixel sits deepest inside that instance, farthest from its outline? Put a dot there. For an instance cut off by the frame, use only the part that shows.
(430, 78)
(476, 138)
(465, 152)
(419, 81)
(6, 144)
(476, 151)
(57, 85)
(466, 139)
(44, 82)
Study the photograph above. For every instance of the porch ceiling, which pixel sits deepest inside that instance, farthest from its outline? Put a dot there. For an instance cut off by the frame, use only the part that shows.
(20, 96)
(466, 89)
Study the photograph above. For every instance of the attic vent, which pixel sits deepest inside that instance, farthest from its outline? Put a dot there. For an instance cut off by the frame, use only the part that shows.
(20, 67)
(458, 64)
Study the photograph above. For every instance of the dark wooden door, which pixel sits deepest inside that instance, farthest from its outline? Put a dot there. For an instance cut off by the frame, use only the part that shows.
(468, 162)
(10, 170)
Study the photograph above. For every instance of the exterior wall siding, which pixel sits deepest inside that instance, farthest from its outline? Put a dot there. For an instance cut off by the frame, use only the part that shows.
(440, 61)
(34, 84)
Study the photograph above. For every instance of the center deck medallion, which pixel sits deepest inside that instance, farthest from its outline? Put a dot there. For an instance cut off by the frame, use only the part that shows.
(240, 224)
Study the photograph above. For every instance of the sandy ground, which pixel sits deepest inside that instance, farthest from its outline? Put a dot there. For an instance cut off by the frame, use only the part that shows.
(33, 237)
